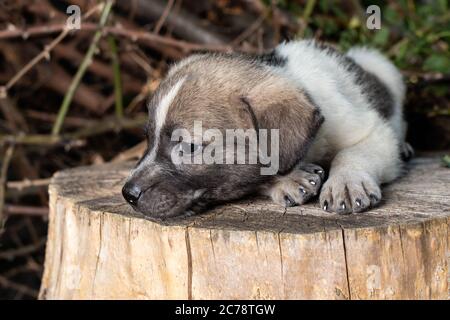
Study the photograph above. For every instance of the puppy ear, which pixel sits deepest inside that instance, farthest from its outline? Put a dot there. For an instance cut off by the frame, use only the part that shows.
(277, 104)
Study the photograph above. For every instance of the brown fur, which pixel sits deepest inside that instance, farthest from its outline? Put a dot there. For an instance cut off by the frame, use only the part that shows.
(224, 92)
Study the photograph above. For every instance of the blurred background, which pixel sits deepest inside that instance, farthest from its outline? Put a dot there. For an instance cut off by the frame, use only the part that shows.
(77, 97)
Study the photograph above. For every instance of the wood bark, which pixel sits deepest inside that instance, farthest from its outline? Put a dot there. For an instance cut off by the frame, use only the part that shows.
(98, 248)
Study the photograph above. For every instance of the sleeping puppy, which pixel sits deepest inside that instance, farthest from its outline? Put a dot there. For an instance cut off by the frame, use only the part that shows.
(340, 111)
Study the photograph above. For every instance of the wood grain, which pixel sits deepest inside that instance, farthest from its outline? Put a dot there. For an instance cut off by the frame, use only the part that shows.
(99, 248)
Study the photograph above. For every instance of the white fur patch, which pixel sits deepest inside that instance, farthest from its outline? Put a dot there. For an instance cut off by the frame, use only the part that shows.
(160, 118)
(161, 114)
(352, 129)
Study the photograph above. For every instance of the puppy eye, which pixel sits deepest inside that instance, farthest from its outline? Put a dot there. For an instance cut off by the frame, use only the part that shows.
(188, 148)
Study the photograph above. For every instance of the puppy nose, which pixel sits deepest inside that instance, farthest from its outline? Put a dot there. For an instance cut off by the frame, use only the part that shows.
(131, 192)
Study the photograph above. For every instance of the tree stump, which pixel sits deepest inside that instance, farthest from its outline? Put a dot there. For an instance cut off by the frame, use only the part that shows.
(99, 248)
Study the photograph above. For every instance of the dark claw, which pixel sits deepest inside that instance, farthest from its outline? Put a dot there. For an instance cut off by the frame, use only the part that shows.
(374, 197)
(302, 190)
(407, 153)
(325, 205)
(289, 201)
(189, 213)
(342, 209)
(320, 172)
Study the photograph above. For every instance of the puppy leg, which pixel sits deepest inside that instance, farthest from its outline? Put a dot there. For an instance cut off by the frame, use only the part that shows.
(356, 173)
(407, 152)
(297, 187)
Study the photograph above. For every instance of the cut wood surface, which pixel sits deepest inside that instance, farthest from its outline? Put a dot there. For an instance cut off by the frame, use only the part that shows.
(99, 248)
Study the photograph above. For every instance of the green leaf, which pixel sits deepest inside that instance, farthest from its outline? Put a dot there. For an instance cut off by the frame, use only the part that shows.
(437, 62)
(402, 49)
(390, 15)
(381, 37)
(446, 160)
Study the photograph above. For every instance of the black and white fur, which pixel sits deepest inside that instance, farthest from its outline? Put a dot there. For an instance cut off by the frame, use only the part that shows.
(340, 111)
(360, 95)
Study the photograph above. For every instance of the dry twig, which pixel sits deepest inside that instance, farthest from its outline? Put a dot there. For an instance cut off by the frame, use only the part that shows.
(6, 283)
(22, 251)
(44, 54)
(163, 17)
(75, 138)
(82, 69)
(3, 178)
(24, 184)
(141, 36)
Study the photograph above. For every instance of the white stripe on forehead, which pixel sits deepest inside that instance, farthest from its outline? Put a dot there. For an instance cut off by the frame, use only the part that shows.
(161, 114)
(160, 118)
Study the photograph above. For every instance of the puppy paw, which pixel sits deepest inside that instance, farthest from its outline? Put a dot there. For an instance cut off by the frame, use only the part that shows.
(297, 187)
(349, 193)
(407, 152)
(312, 169)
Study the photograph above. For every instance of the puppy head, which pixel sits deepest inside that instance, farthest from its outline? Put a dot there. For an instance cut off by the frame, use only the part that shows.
(220, 92)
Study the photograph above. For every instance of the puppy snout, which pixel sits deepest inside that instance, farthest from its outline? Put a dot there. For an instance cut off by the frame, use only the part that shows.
(131, 192)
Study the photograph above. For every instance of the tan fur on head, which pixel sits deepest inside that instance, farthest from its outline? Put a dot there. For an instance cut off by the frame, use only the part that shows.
(280, 105)
(291, 89)
(223, 92)
(217, 89)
